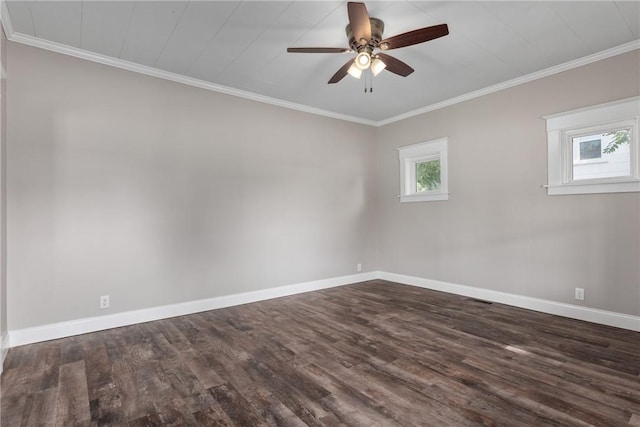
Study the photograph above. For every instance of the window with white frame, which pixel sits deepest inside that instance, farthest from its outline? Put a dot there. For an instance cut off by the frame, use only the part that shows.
(423, 171)
(594, 149)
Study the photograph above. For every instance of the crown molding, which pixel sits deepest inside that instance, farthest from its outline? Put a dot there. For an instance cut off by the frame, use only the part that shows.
(178, 78)
(7, 27)
(599, 56)
(154, 72)
(5, 18)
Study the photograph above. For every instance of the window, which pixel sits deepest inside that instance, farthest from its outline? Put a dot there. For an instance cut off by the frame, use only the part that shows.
(594, 149)
(423, 171)
(602, 155)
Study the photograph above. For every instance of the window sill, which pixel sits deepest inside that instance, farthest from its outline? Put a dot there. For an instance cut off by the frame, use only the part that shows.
(424, 197)
(629, 186)
(589, 162)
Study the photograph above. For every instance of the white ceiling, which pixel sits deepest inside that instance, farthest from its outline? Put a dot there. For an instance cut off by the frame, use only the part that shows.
(242, 45)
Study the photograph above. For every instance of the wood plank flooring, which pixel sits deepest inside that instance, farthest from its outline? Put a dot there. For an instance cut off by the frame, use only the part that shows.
(369, 354)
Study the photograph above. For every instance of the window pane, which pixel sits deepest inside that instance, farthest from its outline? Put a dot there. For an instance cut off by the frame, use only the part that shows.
(428, 176)
(591, 149)
(602, 155)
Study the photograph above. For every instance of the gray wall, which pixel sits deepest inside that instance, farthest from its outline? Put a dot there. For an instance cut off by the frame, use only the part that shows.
(3, 190)
(499, 230)
(156, 193)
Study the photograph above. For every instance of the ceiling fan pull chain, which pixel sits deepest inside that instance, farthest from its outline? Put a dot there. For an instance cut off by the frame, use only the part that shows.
(368, 83)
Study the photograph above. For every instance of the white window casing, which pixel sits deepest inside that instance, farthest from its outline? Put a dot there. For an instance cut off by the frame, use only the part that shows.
(409, 157)
(603, 118)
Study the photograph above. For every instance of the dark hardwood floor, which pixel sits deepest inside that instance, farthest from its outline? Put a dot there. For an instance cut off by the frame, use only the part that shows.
(368, 354)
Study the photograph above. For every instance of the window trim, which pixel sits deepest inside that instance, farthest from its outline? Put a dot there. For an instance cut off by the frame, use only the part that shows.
(562, 126)
(410, 156)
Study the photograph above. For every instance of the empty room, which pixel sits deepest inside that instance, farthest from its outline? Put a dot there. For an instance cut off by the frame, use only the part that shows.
(320, 213)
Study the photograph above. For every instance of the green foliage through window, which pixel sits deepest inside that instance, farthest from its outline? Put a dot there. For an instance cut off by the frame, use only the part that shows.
(620, 137)
(428, 176)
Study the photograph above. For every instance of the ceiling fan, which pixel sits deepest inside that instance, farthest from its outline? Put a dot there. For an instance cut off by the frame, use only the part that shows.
(365, 37)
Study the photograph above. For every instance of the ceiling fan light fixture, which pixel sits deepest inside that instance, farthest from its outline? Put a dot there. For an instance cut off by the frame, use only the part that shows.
(377, 65)
(354, 70)
(363, 60)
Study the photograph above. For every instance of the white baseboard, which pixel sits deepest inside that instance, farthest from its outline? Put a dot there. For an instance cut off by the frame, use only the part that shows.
(4, 349)
(82, 326)
(603, 317)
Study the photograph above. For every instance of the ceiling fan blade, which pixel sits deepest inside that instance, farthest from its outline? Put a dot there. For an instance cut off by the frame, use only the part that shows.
(359, 20)
(395, 65)
(319, 50)
(341, 73)
(414, 37)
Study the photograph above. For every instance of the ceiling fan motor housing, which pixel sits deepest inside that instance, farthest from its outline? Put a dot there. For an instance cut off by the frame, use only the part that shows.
(377, 28)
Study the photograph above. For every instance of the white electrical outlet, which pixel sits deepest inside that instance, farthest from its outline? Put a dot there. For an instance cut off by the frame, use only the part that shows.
(580, 294)
(359, 267)
(104, 302)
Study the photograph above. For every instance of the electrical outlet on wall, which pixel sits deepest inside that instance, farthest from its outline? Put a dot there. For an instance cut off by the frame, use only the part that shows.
(359, 267)
(104, 302)
(580, 294)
